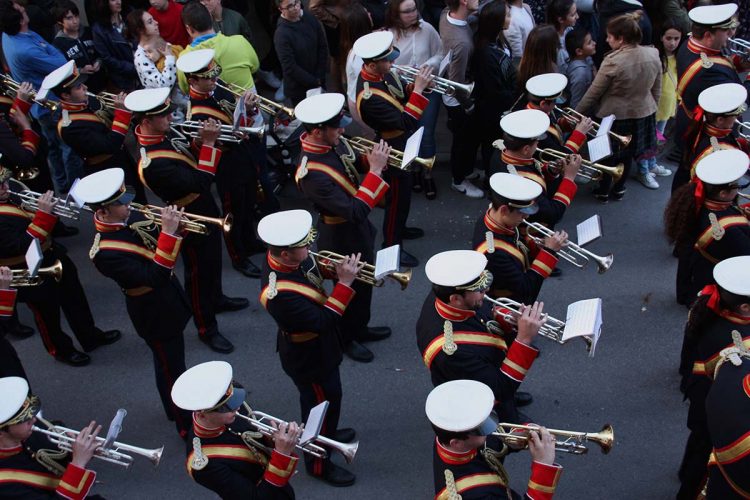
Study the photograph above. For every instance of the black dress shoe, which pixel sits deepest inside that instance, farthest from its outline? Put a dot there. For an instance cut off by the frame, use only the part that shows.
(63, 231)
(231, 304)
(219, 343)
(74, 358)
(523, 398)
(336, 476)
(412, 233)
(345, 435)
(374, 333)
(358, 352)
(408, 260)
(247, 268)
(430, 190)
(102, 338)
(556, 272)
(18, 330)
(416, 185)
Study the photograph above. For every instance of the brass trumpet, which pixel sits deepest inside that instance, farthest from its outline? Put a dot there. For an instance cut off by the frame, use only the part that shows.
(589, 169)
(12, 86)
(739, 47)
(743, 128)
(565, 441)
(573, 253)
(30, 202)
(193, 128)
(440, 85)
(363, 147)
(575, 117)
(328, 260)
(258, 420)
(118, 453)
(265, 105)
(106, 100)
(21, 277)
(190, 222)
(552, 328)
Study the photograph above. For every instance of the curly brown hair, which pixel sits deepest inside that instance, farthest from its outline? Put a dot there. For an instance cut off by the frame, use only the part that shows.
(680, 219)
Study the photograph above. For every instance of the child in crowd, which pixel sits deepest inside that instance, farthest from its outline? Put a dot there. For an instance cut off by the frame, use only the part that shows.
(580, 70)
(669, 39)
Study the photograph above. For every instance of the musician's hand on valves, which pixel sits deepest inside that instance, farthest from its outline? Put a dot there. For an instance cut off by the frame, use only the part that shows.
(585, 125)
(120, 100)
(286, 437)
(47, 202)
(209, 132)
(24, 91)
(251, 102)
(85, 445)
(423, 79)
(556, 241)
(378, 157)
(542, 446)
(20, 120)
(348, 267)
(171, 217)
(570, 166)
(6, 276)
(529, 322)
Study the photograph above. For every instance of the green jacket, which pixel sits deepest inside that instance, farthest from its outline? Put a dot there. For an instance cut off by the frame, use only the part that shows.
(234, 54)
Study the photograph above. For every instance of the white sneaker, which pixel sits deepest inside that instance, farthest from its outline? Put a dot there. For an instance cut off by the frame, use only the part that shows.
(469, 189)
(648, 180)
(660, 171)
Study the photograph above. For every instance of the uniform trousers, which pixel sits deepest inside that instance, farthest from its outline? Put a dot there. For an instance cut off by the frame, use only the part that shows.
(201, 255)
(169, 363)
(466, 140)
(397, 205)
(10, 364)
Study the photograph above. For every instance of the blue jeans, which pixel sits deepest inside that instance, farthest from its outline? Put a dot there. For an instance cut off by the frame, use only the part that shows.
(645, 165)
(428, 121)
(64, 164)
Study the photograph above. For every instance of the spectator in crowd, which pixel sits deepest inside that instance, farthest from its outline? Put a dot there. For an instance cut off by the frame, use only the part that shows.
(377, 9)
(152, 48)
(116, 52)
(227, 21)
(41, 17)
(420, 45)
(302, 49)
(563, 15)
(30, 59)
(659, 11)
(670, 36)
(609, 9)
(168, 14)
(628, 85)
(580, 46)
(520, 25)
(539, 55)
(356, 23)
(431, 10)
(329, 13)
(495, 88)
(76, 43)
(263, 45)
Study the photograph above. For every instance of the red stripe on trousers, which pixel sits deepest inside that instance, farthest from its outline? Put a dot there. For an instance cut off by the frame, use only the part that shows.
(43, 331)
(194, 294)
(390, 228)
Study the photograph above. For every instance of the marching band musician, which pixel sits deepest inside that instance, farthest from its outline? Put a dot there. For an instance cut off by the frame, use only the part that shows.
(705, 221)
(30, 466)
(712, 127)
(467, 458)
(522, 133)
(542, 93)
(10, 364)
(727, 407)
(393, 110)
(700, 62)
(223, 453)
(518, 273)
(131, 250)
(453, 336)
(99, 144)
(242, 165)
(310, 324)
(331, 182)
(719, 310)
(19, 229)
(178, 179)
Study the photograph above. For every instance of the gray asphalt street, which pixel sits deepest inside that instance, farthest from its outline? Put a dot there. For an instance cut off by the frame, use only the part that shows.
(632, 382)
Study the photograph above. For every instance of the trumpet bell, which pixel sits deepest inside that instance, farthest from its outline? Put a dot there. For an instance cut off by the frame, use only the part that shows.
(604, 263)
(605, 438)
(403, 278)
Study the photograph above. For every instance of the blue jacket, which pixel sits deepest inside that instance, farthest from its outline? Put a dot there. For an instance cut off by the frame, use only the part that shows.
(117, 56)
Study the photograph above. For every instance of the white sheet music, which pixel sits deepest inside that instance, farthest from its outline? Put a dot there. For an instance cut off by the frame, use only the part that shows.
(72, 194)
(599, 148)
(589, 230)
(34, 257)
(584, 319)
(387, 261)
(411, 150)
(114, 428)
(444, 63)
(239, 112)
(605, 126)
(314, 423)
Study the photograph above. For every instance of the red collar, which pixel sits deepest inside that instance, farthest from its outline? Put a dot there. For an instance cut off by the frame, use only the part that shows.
(735, 318)
(712, 131)
(107, 227)
(147, 140)
(515, 160)
(369, 77)
(452, 457)
(312, 147)
(495, 227)
(74, 106)
(194, 94)
(279, 266)
(451, 313)
(205, 432)
(696, 48)
(716, 206)
(9, 452)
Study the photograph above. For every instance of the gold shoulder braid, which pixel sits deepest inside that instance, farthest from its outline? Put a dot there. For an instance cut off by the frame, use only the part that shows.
(141, 228)
(302, 170)
(450, 486)
(95, 246)
(513, 171)
(348, 160)
(714, 144)
(271, 291)
(367, 93)
(494, 461)
(145, 160)
(705, 61)
(395, 90)
(490, 239)
(227, 107)
(449, 346)
(65, 118)
(49, 459)
(200, 461)
(717, 231)
(733, 354)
